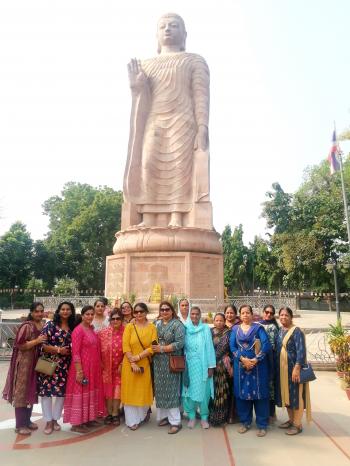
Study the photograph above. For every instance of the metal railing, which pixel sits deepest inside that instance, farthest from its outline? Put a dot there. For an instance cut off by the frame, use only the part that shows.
(8, 332)
(52, 302)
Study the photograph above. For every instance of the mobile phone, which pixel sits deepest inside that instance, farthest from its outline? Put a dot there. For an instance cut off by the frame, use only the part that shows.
(154, 342)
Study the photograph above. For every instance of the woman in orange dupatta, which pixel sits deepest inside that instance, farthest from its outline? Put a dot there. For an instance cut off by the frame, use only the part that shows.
(111, 339)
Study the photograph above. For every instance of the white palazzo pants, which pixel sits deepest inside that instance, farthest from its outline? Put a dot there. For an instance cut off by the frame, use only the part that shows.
(173, 415)
(134, 414)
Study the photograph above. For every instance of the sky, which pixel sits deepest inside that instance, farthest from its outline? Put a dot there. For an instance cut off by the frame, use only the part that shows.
(280, 74)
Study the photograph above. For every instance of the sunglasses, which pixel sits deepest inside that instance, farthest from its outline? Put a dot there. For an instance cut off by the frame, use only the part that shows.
(115, 318)
(165, 309)
(139, 312)
(270, 313)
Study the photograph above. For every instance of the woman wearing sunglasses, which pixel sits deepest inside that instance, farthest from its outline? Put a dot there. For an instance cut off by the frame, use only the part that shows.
(111, 339)
(137, 392)
(171, 336)
(271, 327)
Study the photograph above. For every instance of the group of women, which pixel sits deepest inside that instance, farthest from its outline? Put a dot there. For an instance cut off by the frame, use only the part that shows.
(116, 363)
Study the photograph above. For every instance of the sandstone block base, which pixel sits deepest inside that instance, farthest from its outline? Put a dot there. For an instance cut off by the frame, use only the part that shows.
(191, 274)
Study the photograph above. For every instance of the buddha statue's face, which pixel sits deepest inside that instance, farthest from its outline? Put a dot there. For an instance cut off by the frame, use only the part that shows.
(171, 32)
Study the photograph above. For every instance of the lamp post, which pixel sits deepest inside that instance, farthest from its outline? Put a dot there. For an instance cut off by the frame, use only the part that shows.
(332, 267)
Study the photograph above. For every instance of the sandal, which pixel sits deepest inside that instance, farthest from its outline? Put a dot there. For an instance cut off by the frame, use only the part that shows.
(294, 430)
(134, 427)
(48, 428)
(56, 426)
(115, 421)
(33, 426)
(23, 431)
(93, 424)
(174, 429)
(285, 425)
(108, 419)
(243, 429)
(261, 433)
(81, 429)
(163, 422)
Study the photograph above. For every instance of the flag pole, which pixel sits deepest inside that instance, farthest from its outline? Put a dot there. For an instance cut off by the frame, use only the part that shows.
(344, 195)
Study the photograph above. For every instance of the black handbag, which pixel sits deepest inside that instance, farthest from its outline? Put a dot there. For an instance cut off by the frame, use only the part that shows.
(307, 373)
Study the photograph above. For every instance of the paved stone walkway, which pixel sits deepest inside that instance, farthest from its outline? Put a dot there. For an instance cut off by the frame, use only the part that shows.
(325, 442)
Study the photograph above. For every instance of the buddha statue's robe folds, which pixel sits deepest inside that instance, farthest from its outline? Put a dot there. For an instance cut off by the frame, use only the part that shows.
(161, 174)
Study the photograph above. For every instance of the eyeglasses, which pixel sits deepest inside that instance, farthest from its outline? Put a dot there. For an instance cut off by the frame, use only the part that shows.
(165, 309)
(139, 312)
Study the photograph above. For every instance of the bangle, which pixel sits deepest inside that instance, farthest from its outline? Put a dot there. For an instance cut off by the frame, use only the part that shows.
(161, 349)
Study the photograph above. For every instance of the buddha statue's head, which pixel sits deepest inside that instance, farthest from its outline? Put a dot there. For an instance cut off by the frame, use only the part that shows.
(171, 31)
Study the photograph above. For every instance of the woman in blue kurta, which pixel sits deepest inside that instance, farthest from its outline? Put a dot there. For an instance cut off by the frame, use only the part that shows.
(291, 355)
(250, 344)
(198, 385)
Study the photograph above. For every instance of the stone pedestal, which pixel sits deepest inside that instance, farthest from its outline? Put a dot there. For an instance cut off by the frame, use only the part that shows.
(181, 273)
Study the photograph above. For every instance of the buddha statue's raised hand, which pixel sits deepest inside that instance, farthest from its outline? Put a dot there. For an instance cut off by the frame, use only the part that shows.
(137, 77)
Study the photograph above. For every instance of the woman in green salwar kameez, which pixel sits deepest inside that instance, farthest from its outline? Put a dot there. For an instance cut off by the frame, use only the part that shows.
(167, 385)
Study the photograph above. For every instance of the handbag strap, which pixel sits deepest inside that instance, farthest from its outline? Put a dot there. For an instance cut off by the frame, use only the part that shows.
(148, 357)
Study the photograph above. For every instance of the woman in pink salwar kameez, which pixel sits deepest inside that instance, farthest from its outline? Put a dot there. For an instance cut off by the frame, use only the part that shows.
(111, 339)
(84, 393)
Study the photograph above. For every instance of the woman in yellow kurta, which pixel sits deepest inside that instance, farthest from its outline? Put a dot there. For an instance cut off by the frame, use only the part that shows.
(137, 393)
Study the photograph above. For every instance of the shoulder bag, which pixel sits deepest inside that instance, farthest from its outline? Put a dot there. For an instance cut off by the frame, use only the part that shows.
(177, 363)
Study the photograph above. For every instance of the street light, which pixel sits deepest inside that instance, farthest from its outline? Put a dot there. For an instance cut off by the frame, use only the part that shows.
(332, 267)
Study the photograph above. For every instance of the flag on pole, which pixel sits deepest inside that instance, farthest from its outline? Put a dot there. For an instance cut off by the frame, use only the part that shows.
(333, 157)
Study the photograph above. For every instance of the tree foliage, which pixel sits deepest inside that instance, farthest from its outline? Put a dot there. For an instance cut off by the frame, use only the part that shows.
(16, 252)
(82, 222)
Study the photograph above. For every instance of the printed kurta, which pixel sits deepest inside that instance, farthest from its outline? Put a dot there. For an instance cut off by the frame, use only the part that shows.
(272, 332)
(296, 351)
(200, 356)
(112, 356)
(167, 385)
(137, 387)
(100, 324)
(250, 384)
(21, 383)
(55, 385)
(219, 406)
(84, 403)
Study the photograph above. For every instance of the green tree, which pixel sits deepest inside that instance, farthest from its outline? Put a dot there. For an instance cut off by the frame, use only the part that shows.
(82, 225)
(65, 287)
(16, 249)
(236, 274)
(44, 263)
(277, 210)
(309, 229)
(266, 272)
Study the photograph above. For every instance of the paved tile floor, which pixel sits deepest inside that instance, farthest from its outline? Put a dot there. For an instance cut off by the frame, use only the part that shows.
(325, 442)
